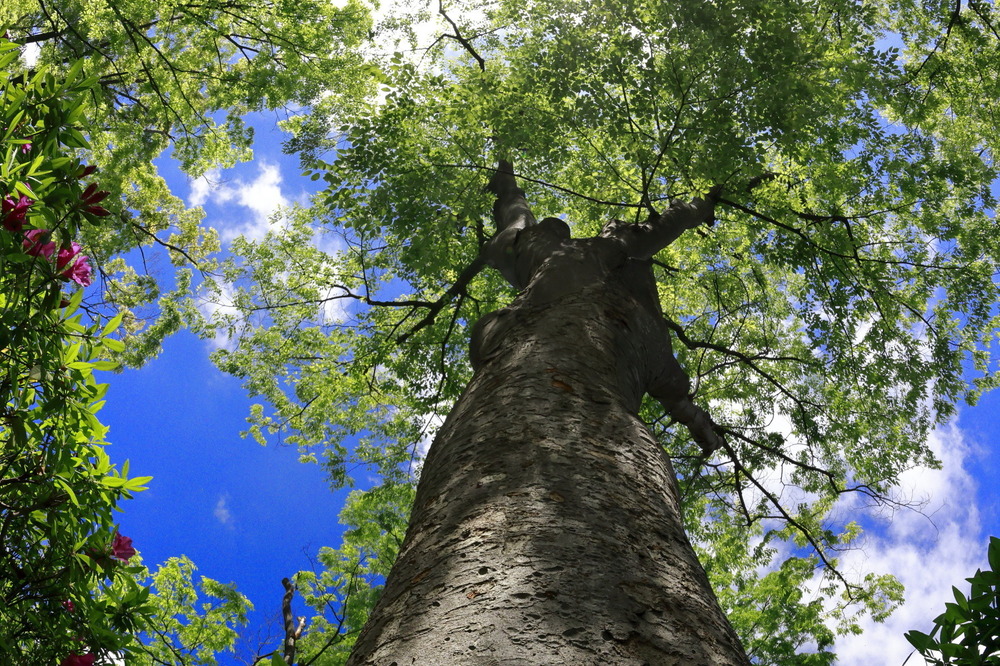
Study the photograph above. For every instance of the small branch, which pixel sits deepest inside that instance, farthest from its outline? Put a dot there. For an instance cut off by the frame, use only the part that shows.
(825, 250)
(459, 38)
(941, 43)
(345, 293)
(169, 246)
(557, 188)
(461, 284)
(791, 520)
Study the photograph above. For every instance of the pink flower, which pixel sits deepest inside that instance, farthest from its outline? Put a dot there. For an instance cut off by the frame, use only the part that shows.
(79, 660)
(67, 253)
(14, 212)
(121, 548)
(34, 246)
(26, 148)
(79, 272)
(70, 264)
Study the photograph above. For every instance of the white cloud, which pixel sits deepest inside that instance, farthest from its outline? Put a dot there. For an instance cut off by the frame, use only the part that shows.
(262, 197)
(334, 309)
(928, 551)
(428, 431)
(202, 187)
(29, 54)
(222, 512)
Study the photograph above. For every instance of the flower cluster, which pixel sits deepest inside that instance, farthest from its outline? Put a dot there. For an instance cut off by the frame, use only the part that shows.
(14, 212)
(70, 264)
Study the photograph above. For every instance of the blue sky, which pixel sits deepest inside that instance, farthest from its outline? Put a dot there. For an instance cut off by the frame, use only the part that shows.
(252, 515)
(242, 512)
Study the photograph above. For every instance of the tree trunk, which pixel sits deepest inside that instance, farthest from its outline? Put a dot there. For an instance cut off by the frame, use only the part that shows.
(546, 527)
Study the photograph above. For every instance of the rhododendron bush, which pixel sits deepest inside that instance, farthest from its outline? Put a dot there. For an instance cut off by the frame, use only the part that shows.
(67, 591)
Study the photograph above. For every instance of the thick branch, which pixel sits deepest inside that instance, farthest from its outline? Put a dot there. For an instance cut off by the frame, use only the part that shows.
(704, 431)
(40, 37)
(292, 633)
(511, 210)
(644, 240)
(511, 215)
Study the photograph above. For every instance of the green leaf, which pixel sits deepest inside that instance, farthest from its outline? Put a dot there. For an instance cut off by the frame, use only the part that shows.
(137, 483)
(112, 325)
(73, 72)
(921, 641)
(75, 299)
(22, 188)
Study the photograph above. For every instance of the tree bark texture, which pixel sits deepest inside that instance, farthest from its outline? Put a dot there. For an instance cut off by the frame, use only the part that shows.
(547, 527)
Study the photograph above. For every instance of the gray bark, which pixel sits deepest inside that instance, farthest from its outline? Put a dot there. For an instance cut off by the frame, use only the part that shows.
(547, 527)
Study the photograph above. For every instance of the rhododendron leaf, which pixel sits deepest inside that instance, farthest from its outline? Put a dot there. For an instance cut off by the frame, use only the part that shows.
(137, 483)
(112, 326)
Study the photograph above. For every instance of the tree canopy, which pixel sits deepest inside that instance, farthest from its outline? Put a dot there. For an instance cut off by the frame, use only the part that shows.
(842, 303)
(182, 79)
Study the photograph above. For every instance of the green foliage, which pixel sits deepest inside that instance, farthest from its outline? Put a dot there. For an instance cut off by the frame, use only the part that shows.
(968, 632)
(348, 580)
(189, 625)
(825, 318)
(788, 609)
(59, 549)
(182, 77)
